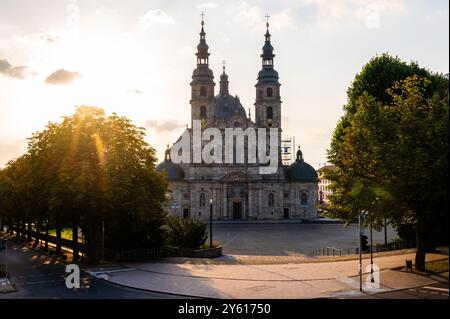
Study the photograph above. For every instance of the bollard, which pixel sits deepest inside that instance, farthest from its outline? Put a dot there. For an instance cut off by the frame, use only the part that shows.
(409, 264)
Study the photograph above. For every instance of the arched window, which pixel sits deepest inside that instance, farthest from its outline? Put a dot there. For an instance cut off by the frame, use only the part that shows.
(237, 124)
(269, 113)
(203, 91)
(271, 200)
(203, 112)
(269, 92)
(202, 200)
(304, 199)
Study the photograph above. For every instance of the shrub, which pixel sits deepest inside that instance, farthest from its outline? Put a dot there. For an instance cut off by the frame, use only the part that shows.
(2, 271)
(215, 244)
(186, 232)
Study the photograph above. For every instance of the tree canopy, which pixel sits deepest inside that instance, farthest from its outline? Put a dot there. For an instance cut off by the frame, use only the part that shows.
(94, 171)
(391, 149)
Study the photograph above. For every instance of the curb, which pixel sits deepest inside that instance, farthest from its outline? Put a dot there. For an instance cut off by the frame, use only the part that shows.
(151, 290)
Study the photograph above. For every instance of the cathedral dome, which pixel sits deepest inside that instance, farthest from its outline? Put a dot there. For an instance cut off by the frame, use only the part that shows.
(174, 171)
(300, 171)
(227, 105)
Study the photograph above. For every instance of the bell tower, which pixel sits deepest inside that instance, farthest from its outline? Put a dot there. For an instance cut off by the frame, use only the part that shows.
(202, 85)
(268, 99)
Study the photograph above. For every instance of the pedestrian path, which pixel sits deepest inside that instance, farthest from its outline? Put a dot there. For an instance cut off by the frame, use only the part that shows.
(287, 280)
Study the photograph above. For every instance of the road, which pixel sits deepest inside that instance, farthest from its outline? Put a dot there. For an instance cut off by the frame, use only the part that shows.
(37, 276)
(288, 239)
(436, 291)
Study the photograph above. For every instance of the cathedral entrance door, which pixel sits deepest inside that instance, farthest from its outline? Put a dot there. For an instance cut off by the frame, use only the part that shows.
(237, 210)
(286, 212)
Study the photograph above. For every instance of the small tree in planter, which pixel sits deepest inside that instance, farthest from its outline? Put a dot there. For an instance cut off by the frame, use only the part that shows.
(186, 232)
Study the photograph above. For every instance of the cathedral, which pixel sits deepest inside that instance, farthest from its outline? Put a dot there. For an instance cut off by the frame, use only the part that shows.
(238, 191)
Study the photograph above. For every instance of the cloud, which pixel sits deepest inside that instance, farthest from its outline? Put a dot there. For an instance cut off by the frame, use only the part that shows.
(17, 72)
(332, 12)
(156, 16)
(164, 125)
(49, 36)
(105, 12)
(253, 17)
(250, 16)
(207, 5)
(283, 20)
(372, 12)
(62, 77)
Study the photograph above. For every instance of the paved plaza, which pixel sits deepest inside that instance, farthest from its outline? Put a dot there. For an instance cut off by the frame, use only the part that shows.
(284, 239)
(314, 279)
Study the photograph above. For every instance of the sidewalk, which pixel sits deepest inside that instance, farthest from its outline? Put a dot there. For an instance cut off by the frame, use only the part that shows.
(300, 280)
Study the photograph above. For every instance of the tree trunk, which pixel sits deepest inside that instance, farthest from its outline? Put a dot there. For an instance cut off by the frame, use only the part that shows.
(13, 226)
(46, 235)
(10, 226)
(58, 238)
(29, 231)
(92, 244)
(17, 228)
(420, 239)
(38, 233)
(23, 231)
(75, 249)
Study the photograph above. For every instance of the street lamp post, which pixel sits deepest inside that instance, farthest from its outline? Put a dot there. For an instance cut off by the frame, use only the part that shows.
(371, 251)
(360, 253)
(210, 222)
(6, 263)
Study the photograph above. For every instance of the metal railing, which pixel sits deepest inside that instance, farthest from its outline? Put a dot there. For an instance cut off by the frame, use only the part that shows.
(337, 252)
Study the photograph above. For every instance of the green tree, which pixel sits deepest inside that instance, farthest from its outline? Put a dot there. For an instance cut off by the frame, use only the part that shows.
(391, 149)
(99, 171)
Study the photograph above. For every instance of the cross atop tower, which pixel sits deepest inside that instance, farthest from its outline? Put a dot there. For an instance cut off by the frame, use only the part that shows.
(223, 65)
(267, 19)
(203, 15)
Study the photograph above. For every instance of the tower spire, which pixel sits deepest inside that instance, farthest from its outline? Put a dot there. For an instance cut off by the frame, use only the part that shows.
(202, 48)
(267, 54)
(268, 73)
(224, 81)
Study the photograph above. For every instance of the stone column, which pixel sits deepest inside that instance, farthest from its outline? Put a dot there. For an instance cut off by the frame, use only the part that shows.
(225, 213)
(281, 212)
(260, 208)
(249, 213)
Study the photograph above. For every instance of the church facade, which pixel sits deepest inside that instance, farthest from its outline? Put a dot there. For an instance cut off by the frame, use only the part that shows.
(238, 191)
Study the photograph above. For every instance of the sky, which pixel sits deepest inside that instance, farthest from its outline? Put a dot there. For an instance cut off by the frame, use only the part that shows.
(136, 58)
